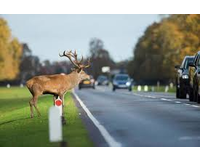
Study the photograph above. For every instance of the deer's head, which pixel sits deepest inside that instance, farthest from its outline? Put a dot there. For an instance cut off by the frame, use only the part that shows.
(78, 65)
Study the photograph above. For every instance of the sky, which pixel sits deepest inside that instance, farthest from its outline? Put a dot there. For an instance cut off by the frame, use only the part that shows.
(49, 35)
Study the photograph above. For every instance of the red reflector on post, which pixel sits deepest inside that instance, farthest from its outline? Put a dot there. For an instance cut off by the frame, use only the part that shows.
(58, 102)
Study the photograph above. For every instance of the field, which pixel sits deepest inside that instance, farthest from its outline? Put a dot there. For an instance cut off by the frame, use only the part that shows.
(18, 129)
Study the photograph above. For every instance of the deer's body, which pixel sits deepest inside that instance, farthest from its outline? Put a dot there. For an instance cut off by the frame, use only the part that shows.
(57, 84)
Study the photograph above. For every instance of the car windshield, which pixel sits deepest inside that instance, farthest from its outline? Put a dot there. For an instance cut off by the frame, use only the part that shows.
(187, 62)
(121, 78)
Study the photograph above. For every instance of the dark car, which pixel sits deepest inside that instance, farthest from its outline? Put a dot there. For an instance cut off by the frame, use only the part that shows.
(122, 81)
(102, 80)
(87, 83)
(194, 73)
(182, 77)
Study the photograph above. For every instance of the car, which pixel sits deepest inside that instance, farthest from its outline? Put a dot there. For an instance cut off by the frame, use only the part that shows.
(87, 83)
(182, 77)
(102, 80)
(122, 81)
(194, 73)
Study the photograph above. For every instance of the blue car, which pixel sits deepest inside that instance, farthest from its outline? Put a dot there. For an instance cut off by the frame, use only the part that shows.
(122, 81)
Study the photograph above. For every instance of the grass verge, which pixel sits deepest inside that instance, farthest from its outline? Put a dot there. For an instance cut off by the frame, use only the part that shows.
(156, 89)
(18, 129)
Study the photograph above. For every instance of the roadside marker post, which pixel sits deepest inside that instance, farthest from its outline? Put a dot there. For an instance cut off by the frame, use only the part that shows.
(146, 89)
(55, 125)
(139, 88)
(58, 104)
(166, 88)
(55, 122)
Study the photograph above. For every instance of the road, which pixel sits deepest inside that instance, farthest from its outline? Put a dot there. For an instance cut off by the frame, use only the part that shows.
(144, 118)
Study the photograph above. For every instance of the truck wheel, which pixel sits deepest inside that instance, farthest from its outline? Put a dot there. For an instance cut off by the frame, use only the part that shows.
(114, 88)
(130, 89)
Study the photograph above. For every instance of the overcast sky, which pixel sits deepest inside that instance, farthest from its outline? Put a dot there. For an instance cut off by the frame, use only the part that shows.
(48, 35)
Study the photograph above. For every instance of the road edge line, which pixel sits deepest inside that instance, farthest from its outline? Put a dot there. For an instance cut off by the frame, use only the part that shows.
(108, 138)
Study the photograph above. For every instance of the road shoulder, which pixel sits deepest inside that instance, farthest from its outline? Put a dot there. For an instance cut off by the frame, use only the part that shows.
(93, 131)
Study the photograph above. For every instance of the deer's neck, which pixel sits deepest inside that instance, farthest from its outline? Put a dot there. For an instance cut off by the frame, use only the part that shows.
(73, 79)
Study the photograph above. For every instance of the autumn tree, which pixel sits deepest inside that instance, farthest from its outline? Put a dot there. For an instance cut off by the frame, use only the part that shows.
(164, 45)
(10, 53)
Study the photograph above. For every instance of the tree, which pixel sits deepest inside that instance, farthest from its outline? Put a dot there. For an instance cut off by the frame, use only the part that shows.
(10, 53)
(164, 45)
(29, 64)
(99, 57)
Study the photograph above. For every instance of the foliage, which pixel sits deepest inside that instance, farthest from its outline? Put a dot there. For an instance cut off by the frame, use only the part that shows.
(99, 57)
(10, 53)
(164, 45)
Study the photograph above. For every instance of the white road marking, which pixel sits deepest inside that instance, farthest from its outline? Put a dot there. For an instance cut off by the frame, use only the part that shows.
(195, 106)
(108, 138)
(151, 97)
(177, 102)
(164, 99)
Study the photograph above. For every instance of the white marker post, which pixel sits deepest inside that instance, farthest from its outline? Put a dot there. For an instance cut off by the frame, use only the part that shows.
(55, 124)
(58, 104)
(139, 88)
(146, 89)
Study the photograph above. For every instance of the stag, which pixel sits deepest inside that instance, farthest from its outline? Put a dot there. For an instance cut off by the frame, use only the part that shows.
(57, 84)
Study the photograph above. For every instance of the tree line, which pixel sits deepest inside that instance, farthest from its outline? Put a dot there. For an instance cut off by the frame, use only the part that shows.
(18, 64)
(164, 45)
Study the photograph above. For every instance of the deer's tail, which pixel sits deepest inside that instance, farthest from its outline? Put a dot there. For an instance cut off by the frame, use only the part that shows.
(29, 85)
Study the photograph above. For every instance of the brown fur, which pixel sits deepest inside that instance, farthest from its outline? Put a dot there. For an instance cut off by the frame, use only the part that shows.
(57, 85)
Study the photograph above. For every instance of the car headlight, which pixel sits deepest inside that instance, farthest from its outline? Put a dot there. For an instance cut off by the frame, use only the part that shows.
(185, 76)
(128, 83)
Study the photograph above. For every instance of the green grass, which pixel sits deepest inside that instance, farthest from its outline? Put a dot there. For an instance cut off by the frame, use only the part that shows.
(156, 89)
(18, 129)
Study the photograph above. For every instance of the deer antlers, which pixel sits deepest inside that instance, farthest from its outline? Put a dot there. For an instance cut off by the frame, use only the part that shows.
(78, 64)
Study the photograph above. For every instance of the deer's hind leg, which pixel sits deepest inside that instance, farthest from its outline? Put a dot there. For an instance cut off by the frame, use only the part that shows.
(31, 107)
(37, 92)
(35, 98)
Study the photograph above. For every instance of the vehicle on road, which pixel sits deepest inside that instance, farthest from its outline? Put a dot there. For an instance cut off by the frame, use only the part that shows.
(102, 80)
(182, 77)
(87, 83)
(122, 81)
(194, 74)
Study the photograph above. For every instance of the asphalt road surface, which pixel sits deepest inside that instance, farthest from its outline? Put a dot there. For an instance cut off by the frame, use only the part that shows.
(144, 118)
